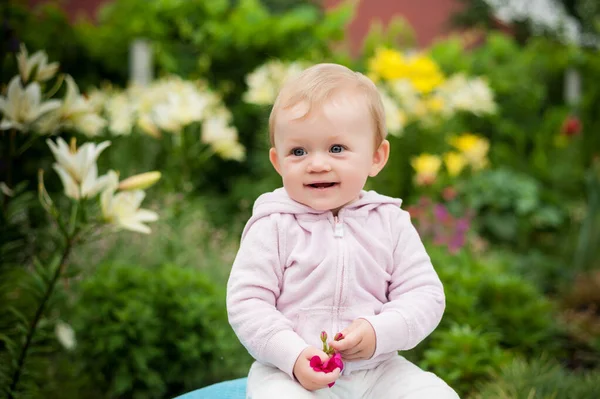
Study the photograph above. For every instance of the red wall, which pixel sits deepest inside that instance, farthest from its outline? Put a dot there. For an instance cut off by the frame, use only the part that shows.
(75, 8)
(429, 18)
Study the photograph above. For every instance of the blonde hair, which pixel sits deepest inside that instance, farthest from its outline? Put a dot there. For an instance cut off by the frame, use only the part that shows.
(315, 86)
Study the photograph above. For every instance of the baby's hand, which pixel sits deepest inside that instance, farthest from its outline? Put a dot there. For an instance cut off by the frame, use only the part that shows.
(308, 378)
(359, 341)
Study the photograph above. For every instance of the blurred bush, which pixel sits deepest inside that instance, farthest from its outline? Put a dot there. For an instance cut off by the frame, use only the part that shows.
(541, 378)
(161, 332)
(491, 316)
(511, 208)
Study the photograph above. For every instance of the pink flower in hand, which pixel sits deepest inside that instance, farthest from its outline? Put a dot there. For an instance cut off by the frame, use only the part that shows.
(328, 366)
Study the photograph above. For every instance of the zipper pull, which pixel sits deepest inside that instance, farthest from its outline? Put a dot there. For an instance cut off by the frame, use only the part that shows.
(338, 228)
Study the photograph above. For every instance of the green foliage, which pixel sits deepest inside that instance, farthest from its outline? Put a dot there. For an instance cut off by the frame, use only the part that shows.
(397, 33)
(589, 235)
(159, 333)
(520, 311)
(27, 339)
(540, 379)
(511, 206)
(463, 355)
(545, 271)
(15, 226)
(39, 29)
(183, 235)
(484, 293)
(200, 38)
(491, 315)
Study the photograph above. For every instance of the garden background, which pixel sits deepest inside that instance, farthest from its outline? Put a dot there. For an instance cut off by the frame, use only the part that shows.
(123, 199)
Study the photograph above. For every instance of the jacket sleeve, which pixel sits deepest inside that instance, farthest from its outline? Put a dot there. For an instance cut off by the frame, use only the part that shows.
(252, 291)
(416, 296)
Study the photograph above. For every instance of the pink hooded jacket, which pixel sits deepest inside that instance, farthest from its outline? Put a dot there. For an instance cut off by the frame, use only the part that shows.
(300, 271)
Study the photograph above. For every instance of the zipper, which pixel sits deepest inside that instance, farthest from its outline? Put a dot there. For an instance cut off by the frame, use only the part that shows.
(338, 228)
(338, 232)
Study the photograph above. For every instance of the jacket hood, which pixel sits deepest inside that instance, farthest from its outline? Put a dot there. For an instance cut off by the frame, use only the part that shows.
(279, 201)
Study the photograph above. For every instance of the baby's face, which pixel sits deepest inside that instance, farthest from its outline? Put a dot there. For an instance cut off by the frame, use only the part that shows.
(325, 158)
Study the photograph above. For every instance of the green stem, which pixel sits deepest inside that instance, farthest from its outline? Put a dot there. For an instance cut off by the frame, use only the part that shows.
(26, 145)
(9, 164)
(11, 155)
(73, 219)
(37, 317)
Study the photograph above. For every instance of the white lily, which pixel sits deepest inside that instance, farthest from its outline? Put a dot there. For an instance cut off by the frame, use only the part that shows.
(79, 113)
(38, 62)
(140, 181)
(265, 81)
(123, 208)
(121, 114)
(77, 168)
(23, 106)
(229, 150)
(394, 116)
(217, 128)
(65, 335)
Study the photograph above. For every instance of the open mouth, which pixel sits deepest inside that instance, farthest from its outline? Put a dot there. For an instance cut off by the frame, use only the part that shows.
(322, 185)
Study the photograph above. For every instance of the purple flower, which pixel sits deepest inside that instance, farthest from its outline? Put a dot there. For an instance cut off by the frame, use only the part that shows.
(441, 213)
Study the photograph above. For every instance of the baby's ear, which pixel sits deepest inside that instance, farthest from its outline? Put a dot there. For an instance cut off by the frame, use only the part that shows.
(274, 159)
(380, 158)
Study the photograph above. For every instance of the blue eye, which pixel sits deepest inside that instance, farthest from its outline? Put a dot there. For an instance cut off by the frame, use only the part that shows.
(298, 152)
(336, 148)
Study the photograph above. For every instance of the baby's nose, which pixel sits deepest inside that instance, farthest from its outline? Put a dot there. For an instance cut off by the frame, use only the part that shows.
(319, 163)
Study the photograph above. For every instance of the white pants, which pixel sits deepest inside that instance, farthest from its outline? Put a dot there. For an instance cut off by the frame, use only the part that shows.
(396, 378)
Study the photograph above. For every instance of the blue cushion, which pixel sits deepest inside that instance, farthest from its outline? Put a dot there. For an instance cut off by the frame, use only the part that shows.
(234, 389)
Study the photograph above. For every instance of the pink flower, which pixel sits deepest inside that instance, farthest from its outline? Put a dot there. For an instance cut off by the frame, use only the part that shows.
(338, 337)
(334, 362)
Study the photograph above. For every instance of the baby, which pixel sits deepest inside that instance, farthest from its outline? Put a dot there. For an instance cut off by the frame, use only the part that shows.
(322, 254)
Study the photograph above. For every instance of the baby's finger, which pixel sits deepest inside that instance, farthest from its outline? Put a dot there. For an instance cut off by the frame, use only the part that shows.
(349, 341)
(321, 379)
(352, 351)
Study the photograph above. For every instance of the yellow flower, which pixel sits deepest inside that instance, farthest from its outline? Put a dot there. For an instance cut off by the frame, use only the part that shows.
(421, 71)
(455, 162)
(425, 74)
(435, 104)
(427, 167)
(474, 148)
(387, 64)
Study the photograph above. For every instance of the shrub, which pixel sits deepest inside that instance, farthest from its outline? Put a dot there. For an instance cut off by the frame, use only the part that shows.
(540, 379)
(151, 333)
(491, 315)
(511, 206)
(463, 355)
